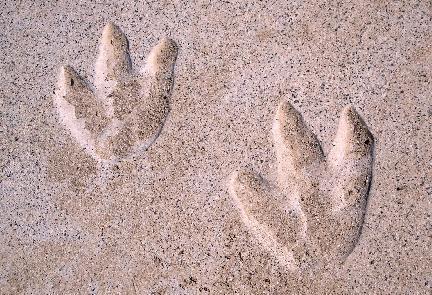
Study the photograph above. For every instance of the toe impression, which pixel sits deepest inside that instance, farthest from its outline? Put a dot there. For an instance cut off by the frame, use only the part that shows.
(297, 148)
(268, 217)
(350, 165)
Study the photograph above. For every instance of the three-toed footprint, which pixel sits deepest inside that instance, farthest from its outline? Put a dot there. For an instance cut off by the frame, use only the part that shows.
(126, 110)
(313, 218)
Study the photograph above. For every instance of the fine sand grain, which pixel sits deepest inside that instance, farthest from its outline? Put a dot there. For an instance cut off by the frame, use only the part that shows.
(235, 147)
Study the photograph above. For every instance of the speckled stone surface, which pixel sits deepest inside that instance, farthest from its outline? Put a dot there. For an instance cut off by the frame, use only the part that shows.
(163, 221)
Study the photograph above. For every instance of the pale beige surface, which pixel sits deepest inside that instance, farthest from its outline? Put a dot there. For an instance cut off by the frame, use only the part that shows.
(163, 221)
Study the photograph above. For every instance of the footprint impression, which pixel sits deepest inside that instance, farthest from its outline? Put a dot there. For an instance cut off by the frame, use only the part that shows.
(126, 110)
(312, 218)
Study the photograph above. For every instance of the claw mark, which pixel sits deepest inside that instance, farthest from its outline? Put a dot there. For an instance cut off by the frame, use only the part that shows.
(318, 223)
(127, 110)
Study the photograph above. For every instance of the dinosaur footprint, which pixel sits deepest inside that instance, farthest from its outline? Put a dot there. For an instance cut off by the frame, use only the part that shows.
(126, 110)
(312, 218)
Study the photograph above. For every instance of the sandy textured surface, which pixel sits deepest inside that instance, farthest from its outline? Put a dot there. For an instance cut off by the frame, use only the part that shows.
(168, 220)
